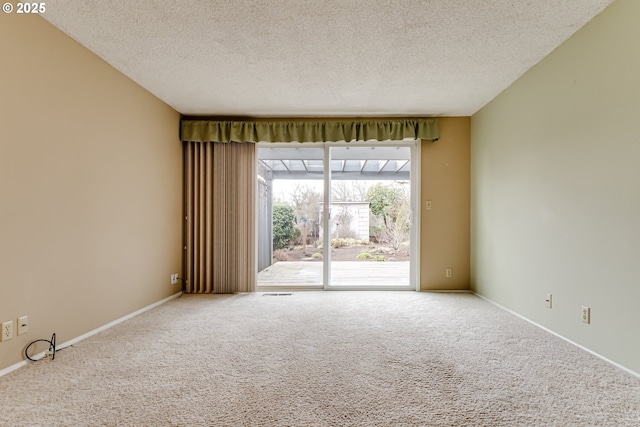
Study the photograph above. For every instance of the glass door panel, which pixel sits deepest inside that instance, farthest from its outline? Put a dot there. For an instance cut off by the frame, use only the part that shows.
(290, 196)
(370, 217)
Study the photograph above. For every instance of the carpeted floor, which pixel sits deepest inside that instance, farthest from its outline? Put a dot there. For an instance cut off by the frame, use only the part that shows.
(322, 359)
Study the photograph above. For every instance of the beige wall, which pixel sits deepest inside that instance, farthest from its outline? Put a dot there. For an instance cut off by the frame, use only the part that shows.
(444, 230)
(556, 189)
(90, 188)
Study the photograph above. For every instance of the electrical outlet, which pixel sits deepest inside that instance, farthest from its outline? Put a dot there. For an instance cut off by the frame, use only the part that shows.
(448, 272)
(586, 314)
(174, 278)
(7, 331)
(547, 300)
(23, 325)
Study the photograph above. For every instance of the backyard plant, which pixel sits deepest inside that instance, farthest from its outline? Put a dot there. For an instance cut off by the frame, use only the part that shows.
(284, 228)
(280, 255)
(346, 242)
(390, 205)
(396, 231)
(385, 201)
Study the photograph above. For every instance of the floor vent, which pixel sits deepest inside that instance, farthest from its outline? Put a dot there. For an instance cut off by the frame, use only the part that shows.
(272, 294)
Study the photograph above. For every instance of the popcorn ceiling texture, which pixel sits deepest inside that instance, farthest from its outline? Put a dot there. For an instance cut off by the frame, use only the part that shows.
(323, 58)
(322, 359)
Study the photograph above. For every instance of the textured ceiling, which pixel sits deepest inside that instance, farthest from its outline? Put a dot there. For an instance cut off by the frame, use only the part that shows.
(295, 58)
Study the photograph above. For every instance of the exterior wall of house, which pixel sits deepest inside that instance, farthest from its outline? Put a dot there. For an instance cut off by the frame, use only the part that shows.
(354, 217)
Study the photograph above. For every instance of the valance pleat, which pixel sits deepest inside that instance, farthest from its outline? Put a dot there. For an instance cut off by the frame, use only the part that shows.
(309, 131)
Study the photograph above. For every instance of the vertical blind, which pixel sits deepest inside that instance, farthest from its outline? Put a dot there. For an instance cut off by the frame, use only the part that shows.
(219, 217)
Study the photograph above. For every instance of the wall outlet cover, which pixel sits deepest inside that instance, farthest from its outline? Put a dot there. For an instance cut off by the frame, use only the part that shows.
(586, 314)
(7, 331)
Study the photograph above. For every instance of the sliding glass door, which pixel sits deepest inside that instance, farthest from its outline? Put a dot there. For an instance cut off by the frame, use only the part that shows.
(370, 217)
(337, 216)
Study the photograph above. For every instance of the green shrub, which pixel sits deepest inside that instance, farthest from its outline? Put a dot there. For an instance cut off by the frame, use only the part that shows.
(345, 241)
(284, 229)
(297, 235)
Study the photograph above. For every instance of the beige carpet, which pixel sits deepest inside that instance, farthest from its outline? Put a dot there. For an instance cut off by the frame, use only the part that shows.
(322, 359)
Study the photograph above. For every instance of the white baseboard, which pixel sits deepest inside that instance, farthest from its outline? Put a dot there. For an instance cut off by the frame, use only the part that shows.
(617, 365)
(90, 333)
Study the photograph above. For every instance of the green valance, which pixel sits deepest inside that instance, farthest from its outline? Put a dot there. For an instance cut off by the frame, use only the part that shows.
(308, 131)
